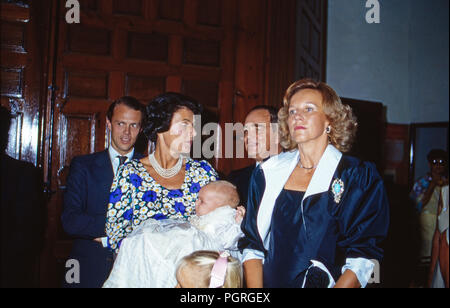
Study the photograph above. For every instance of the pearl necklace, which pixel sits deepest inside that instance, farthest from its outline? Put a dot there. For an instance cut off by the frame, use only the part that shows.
(165, 173)
(301, 166)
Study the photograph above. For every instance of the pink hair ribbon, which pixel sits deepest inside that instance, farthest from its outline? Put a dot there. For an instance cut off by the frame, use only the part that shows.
(219, 271)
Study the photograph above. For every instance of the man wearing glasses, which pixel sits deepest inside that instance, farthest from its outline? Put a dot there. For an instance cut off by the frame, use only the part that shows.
(425, 194)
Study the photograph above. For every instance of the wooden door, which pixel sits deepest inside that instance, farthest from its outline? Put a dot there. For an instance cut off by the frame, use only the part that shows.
(311, 42)
(23, 35)
(139, 48)
(21, 66)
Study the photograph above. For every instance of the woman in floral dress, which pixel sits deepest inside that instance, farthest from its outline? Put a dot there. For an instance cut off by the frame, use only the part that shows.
(164, 185)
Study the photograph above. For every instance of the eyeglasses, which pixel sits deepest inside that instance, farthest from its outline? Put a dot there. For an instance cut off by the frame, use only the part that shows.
(438, 162)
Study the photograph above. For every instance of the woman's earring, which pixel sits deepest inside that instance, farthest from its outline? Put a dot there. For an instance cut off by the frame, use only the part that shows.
(328, 129)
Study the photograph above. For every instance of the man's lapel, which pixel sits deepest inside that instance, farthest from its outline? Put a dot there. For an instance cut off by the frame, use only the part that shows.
(105, 168)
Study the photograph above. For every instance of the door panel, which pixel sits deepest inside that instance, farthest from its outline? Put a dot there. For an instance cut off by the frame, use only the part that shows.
(20, 71)
(311, 45)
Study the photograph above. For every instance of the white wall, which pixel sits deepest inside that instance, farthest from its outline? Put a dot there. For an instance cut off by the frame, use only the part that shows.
(401, 62)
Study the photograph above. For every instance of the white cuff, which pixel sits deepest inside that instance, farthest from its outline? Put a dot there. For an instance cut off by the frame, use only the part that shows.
(363, 269)
(105, 242)
(323, 268)
(251, 254)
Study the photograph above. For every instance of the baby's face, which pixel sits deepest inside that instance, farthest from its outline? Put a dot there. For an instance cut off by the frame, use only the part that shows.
(208, 200)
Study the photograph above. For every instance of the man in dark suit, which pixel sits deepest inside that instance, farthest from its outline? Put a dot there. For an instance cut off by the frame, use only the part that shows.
(22, 216)
(261, 142)
(87, 195)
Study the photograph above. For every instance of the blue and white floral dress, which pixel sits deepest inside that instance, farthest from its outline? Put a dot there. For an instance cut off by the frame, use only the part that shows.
(136, 196)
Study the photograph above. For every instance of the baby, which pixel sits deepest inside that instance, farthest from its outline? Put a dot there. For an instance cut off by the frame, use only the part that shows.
(149, 255)
(209, 269)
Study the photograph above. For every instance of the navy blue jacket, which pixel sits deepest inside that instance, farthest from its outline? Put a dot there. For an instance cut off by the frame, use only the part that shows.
(241, 179)
(84, 216)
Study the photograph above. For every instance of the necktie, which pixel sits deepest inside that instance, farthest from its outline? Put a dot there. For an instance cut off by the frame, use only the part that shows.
(122, 160)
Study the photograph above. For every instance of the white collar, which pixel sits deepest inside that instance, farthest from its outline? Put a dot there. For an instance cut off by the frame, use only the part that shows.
(321, 179)
(282, 166)
(113, 154)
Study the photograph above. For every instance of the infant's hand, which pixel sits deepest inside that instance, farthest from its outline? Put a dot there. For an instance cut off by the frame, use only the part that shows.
(240, 213)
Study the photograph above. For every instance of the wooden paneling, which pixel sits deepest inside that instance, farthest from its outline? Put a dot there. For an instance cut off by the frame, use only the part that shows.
(144, 88)
(201, 52)
(171, 10)
(15, 135)
(89, 5)
(24, 39)
(22, 44)
(129, 7)
(86, 84)
(311, 46)
(77, 135)
(209, 13)
(148, 46)
(281, 54)
(205, 92)
(13, 36)
(88, 40)
(12, 82)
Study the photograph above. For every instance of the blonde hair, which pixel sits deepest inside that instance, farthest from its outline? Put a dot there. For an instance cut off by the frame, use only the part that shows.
(203, 262)
(342, 120)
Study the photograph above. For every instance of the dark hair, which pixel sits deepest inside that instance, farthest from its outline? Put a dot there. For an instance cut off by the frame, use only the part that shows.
(272, 111)
(437, 154)
(5, 123)
(129, 102)
(161, 109)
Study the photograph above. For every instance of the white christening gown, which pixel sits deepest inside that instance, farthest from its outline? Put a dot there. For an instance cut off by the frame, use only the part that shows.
(148, 257)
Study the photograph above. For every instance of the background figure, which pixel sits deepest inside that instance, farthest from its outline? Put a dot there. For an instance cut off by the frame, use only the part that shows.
(425, 194)
(261, 142)
(196, 269)
(87, 193)
(22, 216)
(439, 269)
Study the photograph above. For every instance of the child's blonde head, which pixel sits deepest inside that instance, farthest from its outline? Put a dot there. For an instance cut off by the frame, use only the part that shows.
(194, 270)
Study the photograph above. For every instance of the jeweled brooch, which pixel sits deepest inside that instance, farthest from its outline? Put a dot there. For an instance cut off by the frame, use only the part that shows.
(338, 190)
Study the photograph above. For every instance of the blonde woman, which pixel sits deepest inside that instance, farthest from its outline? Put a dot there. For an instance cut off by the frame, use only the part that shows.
(315, 217)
